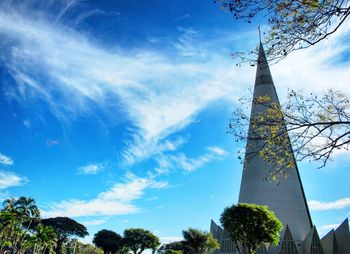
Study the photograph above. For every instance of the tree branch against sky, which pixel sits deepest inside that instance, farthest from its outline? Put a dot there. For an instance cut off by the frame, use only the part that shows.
(317, 126)
(293, 24)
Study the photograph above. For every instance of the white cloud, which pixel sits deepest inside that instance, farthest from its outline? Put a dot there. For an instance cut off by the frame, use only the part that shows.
(5, 160)
(163, 96)
(139, 148)
(316, 205)
(91, 168)
(93, 222)
(167, 162)
(217, 150)
(188, 43)
(316, 69)
(324, 229)
(10, 179)
(169, 239)
(115, 201)
(328, 227)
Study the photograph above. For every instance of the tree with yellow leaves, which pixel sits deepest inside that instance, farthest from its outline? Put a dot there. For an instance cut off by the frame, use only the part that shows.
(294, 24)
(316, 127)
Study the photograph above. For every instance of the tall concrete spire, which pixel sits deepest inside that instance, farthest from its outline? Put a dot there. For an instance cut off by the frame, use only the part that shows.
(286, 198)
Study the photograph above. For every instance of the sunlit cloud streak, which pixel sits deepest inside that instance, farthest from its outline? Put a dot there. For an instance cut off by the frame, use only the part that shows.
(5, 160)
(9, 179)
(159, 94)
(316, 205)
(168, 162)
(115, 201)
(91, 168)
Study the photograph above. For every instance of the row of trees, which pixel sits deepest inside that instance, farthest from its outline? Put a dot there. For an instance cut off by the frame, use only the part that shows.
(248, 226)
(137, 240)
(23, 231)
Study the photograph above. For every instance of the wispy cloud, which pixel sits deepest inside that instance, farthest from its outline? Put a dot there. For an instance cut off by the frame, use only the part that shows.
(187, 44)
(316, 205)
(91, 168)
(93, 222)
(5, 160)
(169, 162)
(318, 68)
(169, 239)
(327, 227)
(9, 179)
(162, 97)
(115, 201)
(139, 148)
(152, 198)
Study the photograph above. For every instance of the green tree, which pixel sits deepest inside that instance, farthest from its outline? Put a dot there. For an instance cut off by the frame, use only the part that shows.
(177, 247)
(108, 241)
(293, 24)
(16, 218)
(315, 126)
(198, 242)
(138, 239)
(250, 225)
(88, 249)
(64, 227)
(46, 238)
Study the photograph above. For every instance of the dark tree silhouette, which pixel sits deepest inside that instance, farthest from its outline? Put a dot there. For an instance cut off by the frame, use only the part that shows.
(109, 241)
(64, 227)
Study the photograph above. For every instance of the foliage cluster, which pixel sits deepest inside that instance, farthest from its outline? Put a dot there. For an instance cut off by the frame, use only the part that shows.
(249, 225)
(23, 231)
(315, 126)
(195, 241)
(294, 24)
(134, 239)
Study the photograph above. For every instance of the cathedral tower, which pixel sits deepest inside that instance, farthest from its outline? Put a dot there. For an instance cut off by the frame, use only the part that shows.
(285, 198)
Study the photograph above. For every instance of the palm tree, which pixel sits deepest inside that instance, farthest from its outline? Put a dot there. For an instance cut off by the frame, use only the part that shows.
(16, 218)
(46, 237)
(27, 209)
(198, 242)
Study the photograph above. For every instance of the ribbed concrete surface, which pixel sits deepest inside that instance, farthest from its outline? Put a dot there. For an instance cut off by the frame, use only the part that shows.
(287, 198)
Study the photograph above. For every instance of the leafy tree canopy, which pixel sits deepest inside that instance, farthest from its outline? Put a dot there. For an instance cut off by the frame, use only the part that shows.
(138, 239)
(294, 24)
(20, 228)
(250, 225)
(198, 242)
(107, 240)
(172, 248)
(65, 227)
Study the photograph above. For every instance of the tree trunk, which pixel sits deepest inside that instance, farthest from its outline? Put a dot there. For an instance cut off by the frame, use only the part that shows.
(58, 248)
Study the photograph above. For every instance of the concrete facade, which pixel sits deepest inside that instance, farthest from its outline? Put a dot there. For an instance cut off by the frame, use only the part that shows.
(285, 198)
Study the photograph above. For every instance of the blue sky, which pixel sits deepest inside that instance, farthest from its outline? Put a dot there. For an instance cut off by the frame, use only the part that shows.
(115, 112)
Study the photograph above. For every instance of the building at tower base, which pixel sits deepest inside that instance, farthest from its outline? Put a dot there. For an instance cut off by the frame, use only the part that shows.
(286, 199)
